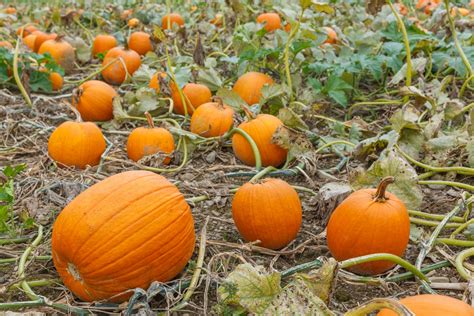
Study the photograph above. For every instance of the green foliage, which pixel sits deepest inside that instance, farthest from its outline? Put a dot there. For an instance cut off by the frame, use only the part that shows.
(7, 197)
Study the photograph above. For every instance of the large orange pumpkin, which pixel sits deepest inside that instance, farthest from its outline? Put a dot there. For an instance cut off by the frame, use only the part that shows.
(122, 233)
(76, 144)
(144, 141)
(212, 119)
(195, 94)
(93, 99)
(268, 210)
(172, 18)
(369, 221)
(115, 73)
(249, 86)
(433, 305)
(42, 37)
(261, 130)
(103, 43)
(271, 21)
(140, 42)
(61, 51)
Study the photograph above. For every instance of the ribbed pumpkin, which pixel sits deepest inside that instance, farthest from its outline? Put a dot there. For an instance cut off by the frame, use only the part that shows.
(172, 18)
(93, 99)
(42, 37)
(115, 73)
(271, 21)
(103, 43)
(144, 141)
(261, 130)
(122, 233)
(155, 82)
(61, 51)
(331, 35)
(212, 119)
(433, 305)
(76, 144)
(369, 221)
(195, 94)
(140, 42)
(27, 30)
(249, 86)
(268, 210)
(29, 41)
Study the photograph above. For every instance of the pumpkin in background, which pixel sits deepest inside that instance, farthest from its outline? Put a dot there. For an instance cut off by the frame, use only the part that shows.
(155, 82)
(102, 44)
(249, 86)
(144, 141)
(6, 44)
(122, 233)
(261, 130)
(116, 73)
(133, 22)
(76, 144)
(126, 14)
(61, 51)
(194, 94)
(331, 35)
(212, 119)
(93, 99)
(268, 210)
(140, 42)
(42, 37)
(56, 81)
(172, 18)
(433, 305)
(10, 10)
(29, 41)
(369, 221)
(218, 20)
(271, 21)
(27, 30)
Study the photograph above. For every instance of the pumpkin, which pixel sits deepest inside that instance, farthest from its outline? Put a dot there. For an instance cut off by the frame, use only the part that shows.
(401, 8)
(93, 99)
(27, 30)
(218, 20)
(461, 11)
(271, 21)
(133, 22)
(144, 141)
(115, 73)
(249, 86)
(29, 41)
(261, 130)
(10, 10)
(428, 5)
(172, 18)
(126, 14)
(56, 81)
(268, 210)
(369, 221)
(140, 42)
(42, 37)
(103, 43)
(76, 144)
(122, 233)
(433, 305)
(212, 119)
(61, 51)
(6, 44)
(287, 27)
(155, 82)
(331, 35)
(194, 94)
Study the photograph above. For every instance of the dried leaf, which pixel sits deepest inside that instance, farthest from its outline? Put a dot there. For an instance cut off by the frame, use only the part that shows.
(296, 143)
(418, 66)
(291, 119)
(374, 145)
(199, 55)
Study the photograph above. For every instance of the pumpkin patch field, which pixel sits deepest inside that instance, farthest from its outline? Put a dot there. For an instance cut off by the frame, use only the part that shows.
(237, 157)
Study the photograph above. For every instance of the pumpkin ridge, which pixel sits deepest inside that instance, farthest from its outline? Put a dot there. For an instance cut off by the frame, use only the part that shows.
(110, 218)
(138, 248)
(118, 236)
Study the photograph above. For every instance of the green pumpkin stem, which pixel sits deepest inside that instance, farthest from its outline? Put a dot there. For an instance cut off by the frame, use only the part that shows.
(382, 188)
(149, 119)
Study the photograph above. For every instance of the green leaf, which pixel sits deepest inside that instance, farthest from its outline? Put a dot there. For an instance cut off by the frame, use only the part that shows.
(291, 119)
(39, 81)
(231, 98)
(323, 7)
(339, 96)
(211, 78)
(470, 152)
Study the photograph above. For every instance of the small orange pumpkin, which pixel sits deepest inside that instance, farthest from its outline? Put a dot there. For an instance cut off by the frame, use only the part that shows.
(261, 130)
(155, 82)
(140, 42)
(433, 305)
(103, 43)
(42, 37)
(93, 99)
(61, 51)
(268, 210)
(144, 141)
(369, 221)
(212, 119)
(172, 18)
(29, 41)
(218, 20)
(76, 144)
(10, 10)
(195, 94)
(56, 80)
(249, 86)
(28, 29)
(116, 73)
(272, 21)
(331, 35)
(6, 44)
(122, 233)
(133, 22)
(126, 14)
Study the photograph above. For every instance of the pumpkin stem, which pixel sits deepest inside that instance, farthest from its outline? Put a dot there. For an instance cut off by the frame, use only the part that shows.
(76, 95)
(149, 120)
(380, 194)
(219, 101)
(247, 112)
